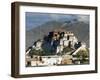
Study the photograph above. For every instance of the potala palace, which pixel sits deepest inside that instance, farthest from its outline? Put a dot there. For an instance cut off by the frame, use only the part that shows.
(57, 48)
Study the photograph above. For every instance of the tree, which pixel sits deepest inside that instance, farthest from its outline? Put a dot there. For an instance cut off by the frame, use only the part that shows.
(67, 49)
(82, 55)
(36, 52)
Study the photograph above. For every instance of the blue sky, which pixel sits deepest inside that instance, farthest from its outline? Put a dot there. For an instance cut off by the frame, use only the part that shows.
(35, 19)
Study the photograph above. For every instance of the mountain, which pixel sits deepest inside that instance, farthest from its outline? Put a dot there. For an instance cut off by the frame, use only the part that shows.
(80, 29)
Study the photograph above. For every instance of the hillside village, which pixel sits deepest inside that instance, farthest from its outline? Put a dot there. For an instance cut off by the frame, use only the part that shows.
(58, 47)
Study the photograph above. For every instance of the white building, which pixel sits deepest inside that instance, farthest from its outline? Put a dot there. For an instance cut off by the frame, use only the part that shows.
(71, 38)
(28, 51)
(82, 47)
(61, 42)
(74, 41)
(67, 40)
(59, 49)
(66, 43)
(38, 45)
(65, 35)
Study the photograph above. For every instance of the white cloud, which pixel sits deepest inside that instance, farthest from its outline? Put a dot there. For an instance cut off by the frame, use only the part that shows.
(84, 18)
(54, 17)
